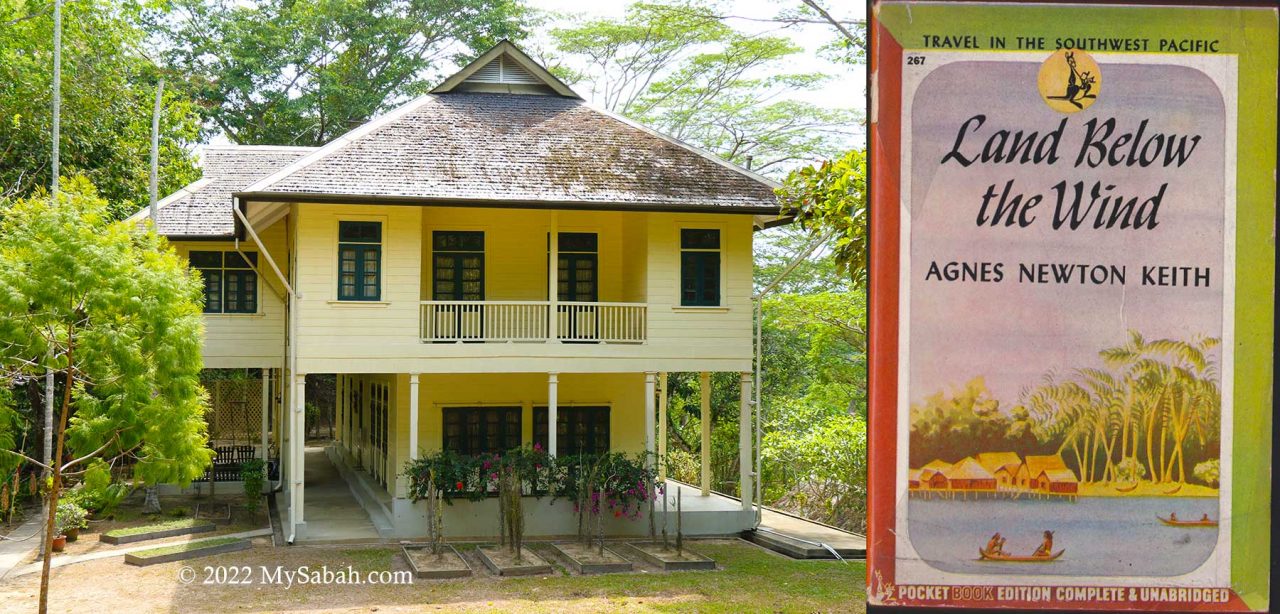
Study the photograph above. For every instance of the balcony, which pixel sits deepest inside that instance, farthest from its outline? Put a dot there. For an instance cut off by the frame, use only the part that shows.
(530, 322)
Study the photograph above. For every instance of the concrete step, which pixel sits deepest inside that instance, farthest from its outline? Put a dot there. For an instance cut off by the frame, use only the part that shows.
(797, 548)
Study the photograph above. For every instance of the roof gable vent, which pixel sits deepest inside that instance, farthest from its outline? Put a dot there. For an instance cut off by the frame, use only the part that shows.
(505, 70)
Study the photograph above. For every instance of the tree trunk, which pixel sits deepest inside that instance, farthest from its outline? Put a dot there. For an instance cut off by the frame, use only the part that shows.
(1151, 462)
(151, 503)
(57, 480)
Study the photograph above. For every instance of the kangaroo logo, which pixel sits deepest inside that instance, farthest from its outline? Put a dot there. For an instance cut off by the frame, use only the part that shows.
(1069, 81)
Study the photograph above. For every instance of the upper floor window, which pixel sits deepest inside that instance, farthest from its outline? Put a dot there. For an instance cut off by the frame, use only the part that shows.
(359, 261)
(699, 267)
(457, 265)
(579, 261)
(230, 283)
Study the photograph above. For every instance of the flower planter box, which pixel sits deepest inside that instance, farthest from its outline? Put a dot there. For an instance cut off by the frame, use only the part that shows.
(424, 565)
(182, 552)
(586, 559)
(502, 562)
(156, 531)
(667, 560)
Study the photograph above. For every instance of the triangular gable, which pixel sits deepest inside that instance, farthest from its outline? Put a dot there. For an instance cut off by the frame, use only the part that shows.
(505, 68)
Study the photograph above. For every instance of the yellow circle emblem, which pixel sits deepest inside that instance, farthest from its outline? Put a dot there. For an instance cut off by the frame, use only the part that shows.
(1069, 81)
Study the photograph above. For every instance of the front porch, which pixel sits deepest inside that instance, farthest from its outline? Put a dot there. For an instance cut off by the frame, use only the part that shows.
(348, 504)
(384, 421)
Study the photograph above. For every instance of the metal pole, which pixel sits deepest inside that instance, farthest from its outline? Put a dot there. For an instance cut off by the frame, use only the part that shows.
(155, 155)
(53, 194)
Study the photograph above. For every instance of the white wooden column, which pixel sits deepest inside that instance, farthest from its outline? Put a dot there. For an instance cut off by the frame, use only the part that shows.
(266, 407)
(662, 426)
(553, 391)
(744, 442)
(298, 474)
(650, 382)
(413, 416)
(704, 393)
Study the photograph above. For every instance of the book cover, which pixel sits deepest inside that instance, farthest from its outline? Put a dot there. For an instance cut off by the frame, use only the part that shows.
(1072, 305)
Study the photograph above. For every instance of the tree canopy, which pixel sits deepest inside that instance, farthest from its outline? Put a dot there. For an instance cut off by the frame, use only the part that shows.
(108, 92)
(678, 67)
(831, 198)
(119, 312)
(301, 72)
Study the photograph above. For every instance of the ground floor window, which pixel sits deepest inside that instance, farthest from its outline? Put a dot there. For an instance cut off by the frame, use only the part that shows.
(481, 430)
(579, 429)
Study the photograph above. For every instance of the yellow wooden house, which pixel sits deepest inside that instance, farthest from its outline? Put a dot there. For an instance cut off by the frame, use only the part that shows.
(495, 263)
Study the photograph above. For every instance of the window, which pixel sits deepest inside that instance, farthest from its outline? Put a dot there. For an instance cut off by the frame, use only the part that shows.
(579, 261)
(230, 283)
(359, 261)
(579, 430)
(457, 266)
(481, 430)
(699, 267)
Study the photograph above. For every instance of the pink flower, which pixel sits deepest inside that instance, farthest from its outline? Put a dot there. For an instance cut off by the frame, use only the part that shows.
(537, 447)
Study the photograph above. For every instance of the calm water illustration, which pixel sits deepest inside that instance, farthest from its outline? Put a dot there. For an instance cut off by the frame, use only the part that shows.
(1102, 535)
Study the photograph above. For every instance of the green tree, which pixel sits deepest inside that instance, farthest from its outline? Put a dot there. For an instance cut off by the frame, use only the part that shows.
(1135, 417)
(677, 67)
(108, 91)
(301, 72)
(116, 314)
(966, 421)
(830, 198)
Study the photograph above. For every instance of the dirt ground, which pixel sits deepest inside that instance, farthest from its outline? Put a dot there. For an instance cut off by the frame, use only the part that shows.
(750, 580)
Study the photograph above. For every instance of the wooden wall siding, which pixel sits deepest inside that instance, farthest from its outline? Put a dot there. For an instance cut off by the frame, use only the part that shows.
(248, 340)
(639, 262)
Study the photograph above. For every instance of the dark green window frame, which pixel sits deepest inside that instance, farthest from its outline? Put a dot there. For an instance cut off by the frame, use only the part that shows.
(457, 269)
(359, 261)
(230, 281)
(700, 267)
(482, 430)
(579, 429)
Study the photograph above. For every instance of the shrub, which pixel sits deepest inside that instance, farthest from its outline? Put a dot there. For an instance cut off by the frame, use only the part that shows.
(97, 493)
(253, 473)
(70, 516)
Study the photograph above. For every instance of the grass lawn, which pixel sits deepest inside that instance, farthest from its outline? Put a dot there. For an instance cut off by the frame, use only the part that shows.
(186, 546)
(752, 580)
(159, 526)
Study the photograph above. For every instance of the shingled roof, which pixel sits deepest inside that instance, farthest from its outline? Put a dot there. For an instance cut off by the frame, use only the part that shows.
(501, 132)
(203, 209)
(519, 149)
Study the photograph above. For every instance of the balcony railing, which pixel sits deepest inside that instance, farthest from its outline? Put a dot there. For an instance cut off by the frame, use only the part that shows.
(529, 321)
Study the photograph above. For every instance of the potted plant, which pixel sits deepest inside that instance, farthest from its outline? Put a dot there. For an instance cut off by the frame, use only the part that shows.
(69, 519)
